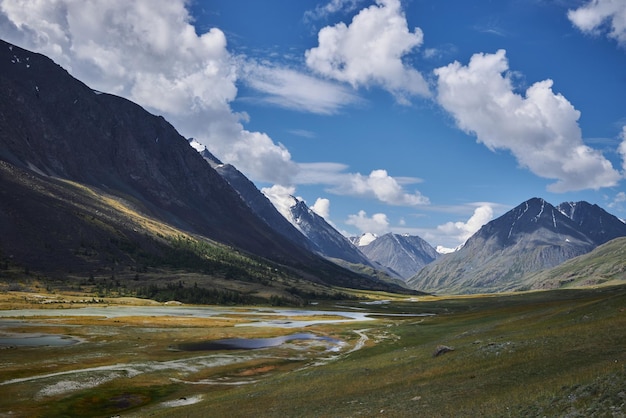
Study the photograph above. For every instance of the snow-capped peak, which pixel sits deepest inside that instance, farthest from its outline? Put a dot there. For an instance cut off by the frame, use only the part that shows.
(196, 145)
(366, 239)
(283, 201)
(444, 250)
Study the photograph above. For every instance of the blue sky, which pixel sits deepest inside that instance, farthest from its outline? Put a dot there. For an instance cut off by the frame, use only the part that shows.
(410, 116)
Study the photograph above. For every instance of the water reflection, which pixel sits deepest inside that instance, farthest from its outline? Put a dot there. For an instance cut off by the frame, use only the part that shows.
(36, 340)
(258, 316)
(252, 343)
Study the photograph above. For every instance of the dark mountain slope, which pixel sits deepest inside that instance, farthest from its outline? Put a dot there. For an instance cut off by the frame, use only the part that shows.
(531, 237)
(329, 242)
(593, 221)
(262, 206)
(59, 227)
(58, 126)
(54, 127)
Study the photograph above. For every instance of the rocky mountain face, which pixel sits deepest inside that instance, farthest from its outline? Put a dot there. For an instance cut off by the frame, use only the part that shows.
(258, 202)
(328, 241)
(55, 131)
(533, 236)
(403, 254)
(57, 126)
(300, 224)
(262, 206)
(594, 221)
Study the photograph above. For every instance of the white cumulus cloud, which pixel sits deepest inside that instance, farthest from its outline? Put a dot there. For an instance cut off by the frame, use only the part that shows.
(377, 185)
(376, 224)
(540, 128)
(370, 51)
(598, 16)
(462, 231)
(149, 52)
(322, 207)
(380, 185)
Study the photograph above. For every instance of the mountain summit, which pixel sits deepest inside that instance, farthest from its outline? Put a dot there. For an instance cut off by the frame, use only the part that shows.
(594, 221)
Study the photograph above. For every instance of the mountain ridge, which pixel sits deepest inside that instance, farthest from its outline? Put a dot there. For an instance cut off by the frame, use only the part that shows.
(530, 237)
(403, 254)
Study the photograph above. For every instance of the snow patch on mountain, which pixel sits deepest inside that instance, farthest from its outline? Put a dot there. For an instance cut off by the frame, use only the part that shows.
(365, 239)
(445, 250)
(196, 145)
(283, 200)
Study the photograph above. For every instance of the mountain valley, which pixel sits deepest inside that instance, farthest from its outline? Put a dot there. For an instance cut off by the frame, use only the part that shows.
(95, 187)
(142, 277)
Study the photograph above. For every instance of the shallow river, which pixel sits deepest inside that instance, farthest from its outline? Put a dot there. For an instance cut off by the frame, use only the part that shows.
(286, 318)
(203, 312)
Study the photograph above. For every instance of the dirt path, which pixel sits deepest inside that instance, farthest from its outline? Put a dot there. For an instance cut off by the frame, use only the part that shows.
(362, 340)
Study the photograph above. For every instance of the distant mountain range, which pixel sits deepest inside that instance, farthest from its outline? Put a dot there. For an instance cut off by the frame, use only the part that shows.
(404, 255)
(92, 183)
(531, 237)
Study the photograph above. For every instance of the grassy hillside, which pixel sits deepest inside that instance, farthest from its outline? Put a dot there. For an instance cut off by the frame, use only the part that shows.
(604, 265)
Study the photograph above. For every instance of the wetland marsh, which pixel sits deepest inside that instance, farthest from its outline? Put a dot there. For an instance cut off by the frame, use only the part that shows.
(564, 348)
(50, 355)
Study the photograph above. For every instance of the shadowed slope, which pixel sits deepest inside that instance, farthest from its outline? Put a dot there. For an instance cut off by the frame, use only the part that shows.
(54, 127)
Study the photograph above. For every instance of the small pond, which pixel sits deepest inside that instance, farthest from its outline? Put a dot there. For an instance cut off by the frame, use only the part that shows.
(36, 340)
(251, 343)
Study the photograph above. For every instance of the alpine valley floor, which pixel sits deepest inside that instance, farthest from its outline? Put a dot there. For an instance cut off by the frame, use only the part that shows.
(548, 353)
